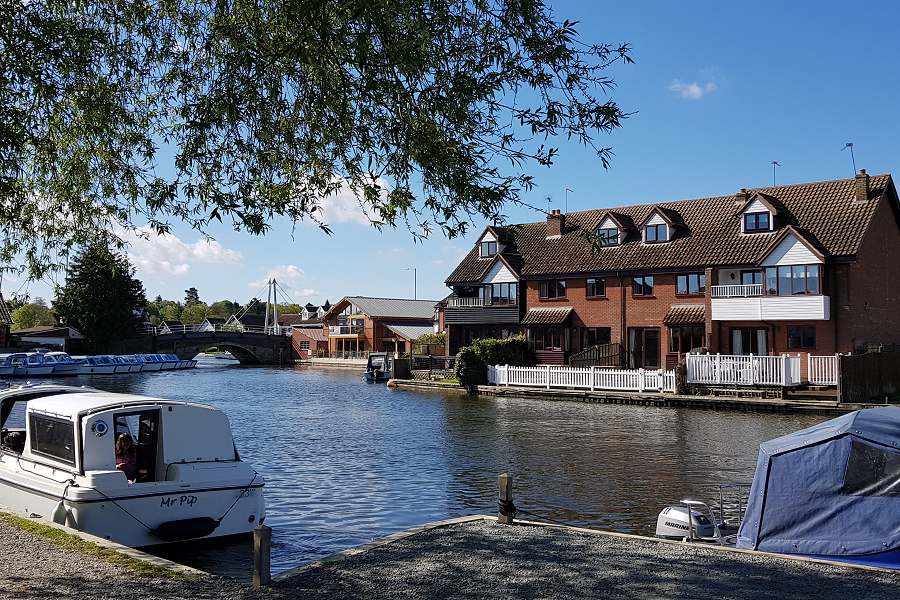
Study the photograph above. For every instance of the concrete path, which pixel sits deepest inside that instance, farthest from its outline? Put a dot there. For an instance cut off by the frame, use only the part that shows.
(485, 560)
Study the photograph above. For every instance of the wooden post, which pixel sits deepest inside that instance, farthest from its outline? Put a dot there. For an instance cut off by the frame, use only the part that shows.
(262, 551)
(593, 380)
(548, 377)
(505, 510)
(718, 367)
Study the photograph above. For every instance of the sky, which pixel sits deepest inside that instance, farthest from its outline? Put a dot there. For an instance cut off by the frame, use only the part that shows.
(718, 90)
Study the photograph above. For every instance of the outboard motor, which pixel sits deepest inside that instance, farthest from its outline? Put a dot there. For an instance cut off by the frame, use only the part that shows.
(672, 524)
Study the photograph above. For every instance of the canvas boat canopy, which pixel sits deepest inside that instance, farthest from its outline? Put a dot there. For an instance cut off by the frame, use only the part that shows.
(831, 489)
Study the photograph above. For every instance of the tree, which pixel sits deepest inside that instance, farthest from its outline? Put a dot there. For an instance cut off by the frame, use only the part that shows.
(194, 313)
(170, 310)
(101, 296)
(191, 296)
(32, 315)
(426, 112)
(223, 309)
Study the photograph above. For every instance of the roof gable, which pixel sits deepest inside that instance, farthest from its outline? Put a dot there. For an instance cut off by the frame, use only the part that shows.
(791, 247)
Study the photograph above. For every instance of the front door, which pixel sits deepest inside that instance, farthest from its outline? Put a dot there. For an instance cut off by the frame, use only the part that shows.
(643, 348)
(750, 340)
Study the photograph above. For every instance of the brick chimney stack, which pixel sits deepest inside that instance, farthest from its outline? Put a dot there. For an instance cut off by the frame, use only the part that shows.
(741, 197)
(862, 186)
(555, 223)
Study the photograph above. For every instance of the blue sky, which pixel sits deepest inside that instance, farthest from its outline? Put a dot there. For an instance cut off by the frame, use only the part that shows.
(720, 90)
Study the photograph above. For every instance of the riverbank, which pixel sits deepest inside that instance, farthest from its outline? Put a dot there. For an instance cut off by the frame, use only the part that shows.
(482, 559)
(40, 561)
(662, 400)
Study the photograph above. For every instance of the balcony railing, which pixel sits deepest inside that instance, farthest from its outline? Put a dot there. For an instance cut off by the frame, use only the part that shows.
(752, 290)
(344, 329)
(474, 301)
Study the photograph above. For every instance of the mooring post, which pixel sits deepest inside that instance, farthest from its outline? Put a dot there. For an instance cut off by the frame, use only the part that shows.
(506, 510)
(262, 551)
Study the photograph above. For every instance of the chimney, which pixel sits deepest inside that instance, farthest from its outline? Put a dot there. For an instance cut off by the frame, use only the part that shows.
(862, 186)
(741, 198)
(555, 223)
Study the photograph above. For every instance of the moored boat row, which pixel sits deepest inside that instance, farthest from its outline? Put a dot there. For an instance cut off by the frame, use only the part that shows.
(57, 364)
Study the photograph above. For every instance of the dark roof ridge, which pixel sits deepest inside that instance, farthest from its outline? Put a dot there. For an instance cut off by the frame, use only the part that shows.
(664, 203)
(388, 298)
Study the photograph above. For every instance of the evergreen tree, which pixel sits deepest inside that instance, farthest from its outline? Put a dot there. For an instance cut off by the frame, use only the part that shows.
(191, 296)
(101, 298)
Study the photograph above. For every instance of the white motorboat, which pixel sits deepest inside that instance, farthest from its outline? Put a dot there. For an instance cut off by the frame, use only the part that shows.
(170, 361)
(151, 362)
(58, 460)
(122, 365)
(63, 364)
(97, 365)
(135, 364)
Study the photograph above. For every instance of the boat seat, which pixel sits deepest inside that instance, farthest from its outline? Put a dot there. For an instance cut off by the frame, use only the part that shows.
(12, 441)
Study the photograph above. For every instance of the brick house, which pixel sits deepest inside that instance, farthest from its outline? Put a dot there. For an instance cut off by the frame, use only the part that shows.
(801, 268)
(364, 324)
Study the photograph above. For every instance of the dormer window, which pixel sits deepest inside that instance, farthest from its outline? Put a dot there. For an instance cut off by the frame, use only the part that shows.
(656, 233)
(608, 236)
(488, 249)
(757, 222)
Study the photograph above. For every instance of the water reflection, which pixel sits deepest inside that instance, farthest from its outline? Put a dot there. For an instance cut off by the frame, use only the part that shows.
(346, 462)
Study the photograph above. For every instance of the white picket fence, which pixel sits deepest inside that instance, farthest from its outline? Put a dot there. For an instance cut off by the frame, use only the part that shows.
(589, 378)
(822, 370)
(733, 369)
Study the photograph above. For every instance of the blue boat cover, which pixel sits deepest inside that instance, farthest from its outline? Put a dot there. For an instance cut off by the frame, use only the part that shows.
(832, 489)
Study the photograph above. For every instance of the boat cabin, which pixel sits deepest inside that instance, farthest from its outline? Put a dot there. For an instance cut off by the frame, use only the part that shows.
(75, 430)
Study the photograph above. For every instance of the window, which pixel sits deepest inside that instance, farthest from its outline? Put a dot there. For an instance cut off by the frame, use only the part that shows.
(751, 277)
(871, 471)
(608, 236)
(54, 438)
(595, 287)
(594, 336)
(793, 280)
(553, 289)
(756, 222)
(488, 249)
(656, 233)
(304, 345)
(643, 348)
(691, 284)
(642, 285)
(501, 293)
(547, 338)
(801, 337)
(685, 338)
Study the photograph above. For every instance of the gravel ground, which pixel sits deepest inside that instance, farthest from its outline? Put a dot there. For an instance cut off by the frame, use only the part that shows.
(467, 561)
(487, 560)
(33, 567)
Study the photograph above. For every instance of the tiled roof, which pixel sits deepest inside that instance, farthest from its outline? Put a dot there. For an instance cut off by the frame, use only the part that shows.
(317, 335)
(251, 320)
(4, 312)
(825, 212)
(547, 316)
(294, 319)
(409, 332)
(685, 314)
(49, 331)
(215, 320)
(397, 308)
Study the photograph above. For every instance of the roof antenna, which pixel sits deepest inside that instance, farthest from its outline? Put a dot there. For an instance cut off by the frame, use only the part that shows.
(548, 204)
(775, 164)
(567, 198)
(852, 158)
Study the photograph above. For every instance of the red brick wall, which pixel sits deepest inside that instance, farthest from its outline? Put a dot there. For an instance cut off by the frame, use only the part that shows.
(867, 310)
(606, 312)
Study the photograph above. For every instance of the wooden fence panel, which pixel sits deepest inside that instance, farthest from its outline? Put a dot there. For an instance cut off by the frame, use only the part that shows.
(871, 377)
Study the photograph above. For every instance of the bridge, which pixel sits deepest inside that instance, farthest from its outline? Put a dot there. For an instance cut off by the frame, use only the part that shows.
(269, 347)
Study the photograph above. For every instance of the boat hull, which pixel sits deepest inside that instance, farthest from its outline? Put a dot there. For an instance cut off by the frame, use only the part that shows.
(150, 366)
(97, 369)
(66, 369)
(38, 370)
(156, 509)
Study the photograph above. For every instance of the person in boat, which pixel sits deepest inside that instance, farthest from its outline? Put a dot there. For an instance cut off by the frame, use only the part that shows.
(126, 456)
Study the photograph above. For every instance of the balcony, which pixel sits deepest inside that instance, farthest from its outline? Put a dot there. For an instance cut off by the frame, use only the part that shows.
(749, 303)
(347, 330)
(474, 311)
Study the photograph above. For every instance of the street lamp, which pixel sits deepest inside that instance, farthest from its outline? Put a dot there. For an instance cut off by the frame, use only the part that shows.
(413, 269)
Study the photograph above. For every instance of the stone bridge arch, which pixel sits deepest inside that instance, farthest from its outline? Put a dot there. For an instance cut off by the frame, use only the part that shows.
(248, 348)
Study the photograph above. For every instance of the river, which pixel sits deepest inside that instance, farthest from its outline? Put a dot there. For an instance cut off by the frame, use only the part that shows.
(346, 462)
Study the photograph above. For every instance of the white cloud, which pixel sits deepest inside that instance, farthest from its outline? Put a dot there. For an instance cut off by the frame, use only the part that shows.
(345, 206)
(168, 254)
(287, 276)
(692, 90)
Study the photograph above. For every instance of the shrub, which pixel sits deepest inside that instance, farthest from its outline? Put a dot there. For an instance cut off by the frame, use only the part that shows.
(431, 339)
(470, 369)
(508, 351)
